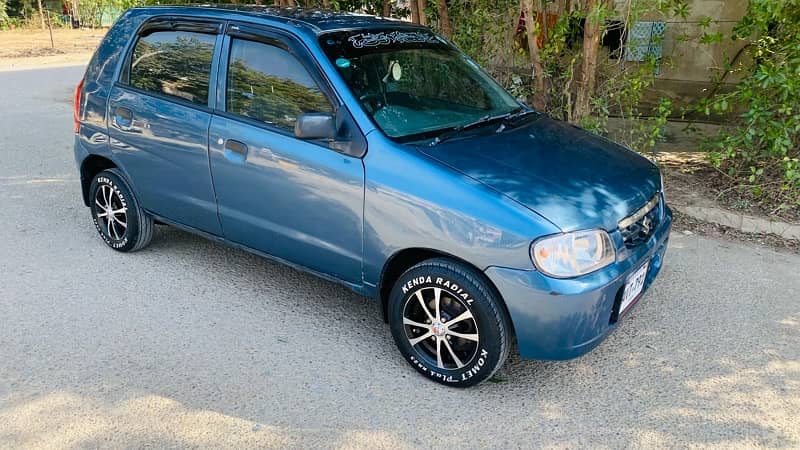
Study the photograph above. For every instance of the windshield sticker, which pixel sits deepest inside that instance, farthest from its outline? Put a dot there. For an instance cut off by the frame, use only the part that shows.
(395, 37)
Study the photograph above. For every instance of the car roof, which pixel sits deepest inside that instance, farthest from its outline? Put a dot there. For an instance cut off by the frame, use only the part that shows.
(317, 21)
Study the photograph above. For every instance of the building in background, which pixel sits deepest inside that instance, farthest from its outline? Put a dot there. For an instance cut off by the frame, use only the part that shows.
(687, 64)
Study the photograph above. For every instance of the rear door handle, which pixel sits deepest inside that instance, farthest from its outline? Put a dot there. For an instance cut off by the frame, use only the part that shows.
(123, 118)
(235, 151)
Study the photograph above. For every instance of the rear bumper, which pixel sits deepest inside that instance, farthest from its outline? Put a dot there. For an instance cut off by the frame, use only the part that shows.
(81, 153)
(562, 319)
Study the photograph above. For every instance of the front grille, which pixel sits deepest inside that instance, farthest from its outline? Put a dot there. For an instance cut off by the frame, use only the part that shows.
(637, 228)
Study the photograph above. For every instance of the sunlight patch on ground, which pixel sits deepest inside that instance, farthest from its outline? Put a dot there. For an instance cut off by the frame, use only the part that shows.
(763, 395)
(63, 420)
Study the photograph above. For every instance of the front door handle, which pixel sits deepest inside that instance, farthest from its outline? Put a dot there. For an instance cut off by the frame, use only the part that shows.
(236, 146)
(235, 151)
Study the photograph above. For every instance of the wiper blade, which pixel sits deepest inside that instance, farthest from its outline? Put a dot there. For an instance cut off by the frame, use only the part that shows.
(519, 114)
(511, 118)
(455, 131)
(507, 117)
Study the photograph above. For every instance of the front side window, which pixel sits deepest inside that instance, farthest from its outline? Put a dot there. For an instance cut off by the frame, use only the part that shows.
(173, 63)
(412, 83)
(268, 84)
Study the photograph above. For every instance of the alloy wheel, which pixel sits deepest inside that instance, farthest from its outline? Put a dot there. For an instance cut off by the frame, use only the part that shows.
(111, 213)
(440, 328)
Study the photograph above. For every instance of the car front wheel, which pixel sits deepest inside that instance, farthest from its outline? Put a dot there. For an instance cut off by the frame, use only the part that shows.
(449, 323)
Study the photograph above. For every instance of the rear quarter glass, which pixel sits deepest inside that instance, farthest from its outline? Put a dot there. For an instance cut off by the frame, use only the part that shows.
(102, 69)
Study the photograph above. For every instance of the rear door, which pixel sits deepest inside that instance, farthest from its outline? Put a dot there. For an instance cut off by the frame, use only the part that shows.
(299, 200)
(159, 114)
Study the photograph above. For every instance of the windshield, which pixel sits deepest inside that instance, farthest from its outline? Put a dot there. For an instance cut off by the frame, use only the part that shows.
(414, 84)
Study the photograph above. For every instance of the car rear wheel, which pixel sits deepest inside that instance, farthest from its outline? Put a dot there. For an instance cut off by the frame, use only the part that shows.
(118, 217)
(449, 323)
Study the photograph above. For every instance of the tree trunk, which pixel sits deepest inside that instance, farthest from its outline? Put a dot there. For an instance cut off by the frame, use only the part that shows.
(539, 92)
(592, 32)
(414, 7)
(41, 13)
(387, 8)
(444, 19)
(50, 29)
(423, 16)
(76, 12)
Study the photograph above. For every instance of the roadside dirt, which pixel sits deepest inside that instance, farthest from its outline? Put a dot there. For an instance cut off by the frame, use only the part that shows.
(27, 43)
(27, 49)
(690, 181)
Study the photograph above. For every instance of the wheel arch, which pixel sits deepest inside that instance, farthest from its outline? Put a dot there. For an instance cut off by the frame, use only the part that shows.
(91, 166)
(404, 259)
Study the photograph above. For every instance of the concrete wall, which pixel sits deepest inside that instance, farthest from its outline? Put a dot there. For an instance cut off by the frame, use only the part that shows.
(687, 65)
(691, 61)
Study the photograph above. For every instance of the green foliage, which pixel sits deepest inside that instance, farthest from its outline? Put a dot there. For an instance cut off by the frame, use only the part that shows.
(763, 150)
(4, 20)
(711, 38)
(675, 8)
(92, 12)
(367, 6)
(621, 85)
(484, 30)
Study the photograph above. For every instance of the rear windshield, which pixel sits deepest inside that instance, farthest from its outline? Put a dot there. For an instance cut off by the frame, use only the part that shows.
(412, 83)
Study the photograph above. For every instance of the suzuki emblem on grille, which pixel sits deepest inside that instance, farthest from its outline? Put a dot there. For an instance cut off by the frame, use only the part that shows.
(646, 224)
(640, 213)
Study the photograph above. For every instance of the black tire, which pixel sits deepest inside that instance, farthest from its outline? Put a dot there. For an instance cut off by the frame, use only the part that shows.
(132, 227)
(482, 329)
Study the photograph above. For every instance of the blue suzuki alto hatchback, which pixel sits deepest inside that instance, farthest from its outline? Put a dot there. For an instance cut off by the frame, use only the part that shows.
(373, 153)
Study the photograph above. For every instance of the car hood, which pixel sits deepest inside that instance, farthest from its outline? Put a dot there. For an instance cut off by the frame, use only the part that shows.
(573, 178)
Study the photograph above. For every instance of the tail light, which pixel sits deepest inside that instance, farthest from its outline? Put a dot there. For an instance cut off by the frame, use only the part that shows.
(76, 107)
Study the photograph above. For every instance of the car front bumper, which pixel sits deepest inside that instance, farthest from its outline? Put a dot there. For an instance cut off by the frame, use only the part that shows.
(556, 319)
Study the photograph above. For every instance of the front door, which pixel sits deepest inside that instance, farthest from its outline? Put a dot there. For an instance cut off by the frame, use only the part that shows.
(298, 200)
(159, 115)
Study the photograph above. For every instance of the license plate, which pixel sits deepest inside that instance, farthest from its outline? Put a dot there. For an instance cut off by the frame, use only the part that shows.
(633, 287)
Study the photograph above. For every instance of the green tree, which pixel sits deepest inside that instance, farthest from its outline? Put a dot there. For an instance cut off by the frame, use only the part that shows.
(3, 14)
(763, 150)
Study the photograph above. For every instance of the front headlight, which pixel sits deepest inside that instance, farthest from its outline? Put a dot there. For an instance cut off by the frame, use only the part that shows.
(573, 254)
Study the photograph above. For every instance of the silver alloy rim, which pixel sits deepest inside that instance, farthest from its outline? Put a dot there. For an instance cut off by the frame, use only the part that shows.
(440, 327)
(113, 217)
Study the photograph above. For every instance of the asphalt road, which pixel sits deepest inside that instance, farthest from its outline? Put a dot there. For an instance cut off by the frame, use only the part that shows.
(192, 344)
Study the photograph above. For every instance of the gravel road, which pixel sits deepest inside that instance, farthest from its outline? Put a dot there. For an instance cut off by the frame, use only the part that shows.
(193, 344)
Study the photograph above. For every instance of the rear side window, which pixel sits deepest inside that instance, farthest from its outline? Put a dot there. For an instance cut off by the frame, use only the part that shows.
(173, 63)
(270, 85)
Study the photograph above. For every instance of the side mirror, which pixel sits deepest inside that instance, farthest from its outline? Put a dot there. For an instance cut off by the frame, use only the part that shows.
(315, 126)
